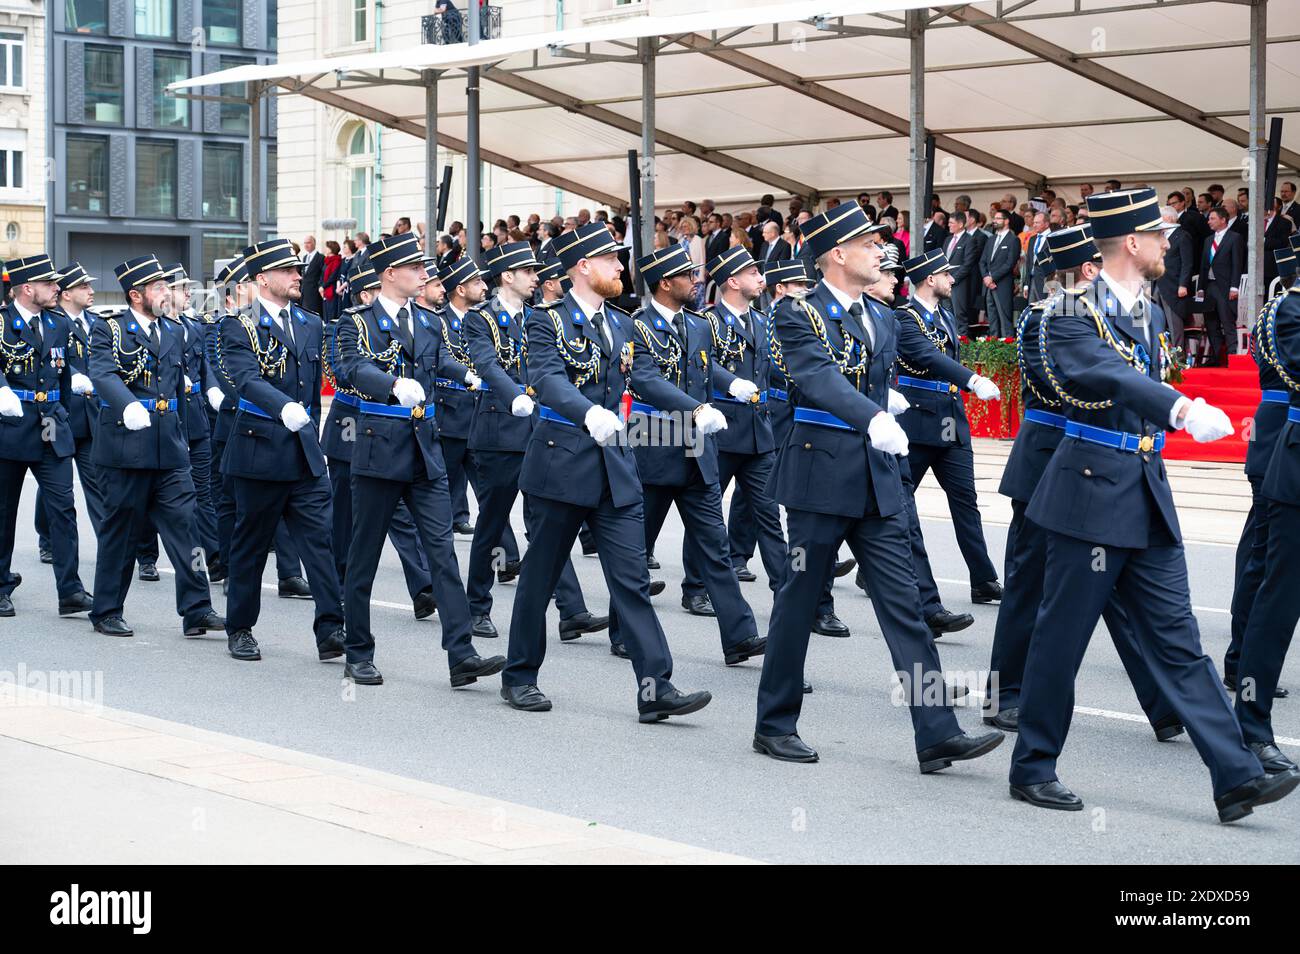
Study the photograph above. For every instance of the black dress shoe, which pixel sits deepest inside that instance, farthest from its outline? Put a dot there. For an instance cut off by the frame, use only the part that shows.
(744, 574)
(957, 749)
(149, 572)
(651, 563)
(204, 623)
(844, 567)
(580, 625)
(673, 702)
(784, 748)
(294, 588)
(47, 555)
(510, 572)
(1170, 727)
(1271, 757)
(481, 628)
(331, 647)
(860, 581)
(243, 646)
(525, 698)
(698, 605)
(989, 592)
(424, 604)
(589, 549)
(464, 528)
(114, 626)
(807, 687)
(945, 622)
(1048, 795)
(657, 587)
(754, 646)
(363, 673)
(1241, 801)
(217, 572)
(76, 603)
(475, 668)
(619, 650)
(830, 625)
(1231, 683)
(6, 606)
(1008, 720)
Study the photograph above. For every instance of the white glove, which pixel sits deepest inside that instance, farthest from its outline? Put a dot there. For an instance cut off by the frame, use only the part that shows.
(81, 384)
(710, 420)
(742, 390)
(294, 416)
(215, 397)
(984, 389)
(10, 406)
(1205, 422)
(897, 403)
(522, 406)
(408, 392)
(188, 383)
(887, 435)
(602, 424)
(135, 417)
(472, 380)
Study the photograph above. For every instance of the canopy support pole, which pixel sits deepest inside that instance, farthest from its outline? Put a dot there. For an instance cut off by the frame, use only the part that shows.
(646, 50)
(1258, 157)
(430, 78)
(474, 169)
(919, 202)
(254, 161)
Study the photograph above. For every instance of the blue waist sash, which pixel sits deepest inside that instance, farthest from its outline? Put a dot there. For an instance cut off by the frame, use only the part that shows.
(1046, 418)
(347, 400)
(1275, 397)
(778, 395)
(650, 410)
(719, 396)
(36, 397)
(151, 404)
(547, 414)
(943, 387)
(1119, 440)
(808, 415)
(195, 387)
(1293, 415)
(454, 385)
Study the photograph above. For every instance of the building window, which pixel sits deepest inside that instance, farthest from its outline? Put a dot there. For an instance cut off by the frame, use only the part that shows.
(87, 174)
(272, 183)
(11, 168)
(221, 22)
(155, 179)
(170, 112)
(272, 24)
(223, 179)
(154, 18)
(220, 247)
(360, 166)
(12, 232)
(360, 17)
(11, 60)
(86, 16)
(104, 87)
(234, 116)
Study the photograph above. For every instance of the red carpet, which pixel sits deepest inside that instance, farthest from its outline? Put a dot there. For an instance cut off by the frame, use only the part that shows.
(1234, 389)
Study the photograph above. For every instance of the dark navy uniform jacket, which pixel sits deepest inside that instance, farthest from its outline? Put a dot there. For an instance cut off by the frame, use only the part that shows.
(927, 420)
(836, 470)
(569, 376)
(779, 405)
(1270, 417)
(455, 400)
(1036, 442)
(741, 354)
(226, 415)
(1097, 493)
(1282, 479)
(494, 427)
(397, 446)
(130, 371)
(336, 438)
(260, 447)
(656, 382)
(83, 409)
(38, 365)
(196, 369)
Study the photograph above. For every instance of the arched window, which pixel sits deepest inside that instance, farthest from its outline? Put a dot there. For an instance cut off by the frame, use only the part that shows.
(359, 175)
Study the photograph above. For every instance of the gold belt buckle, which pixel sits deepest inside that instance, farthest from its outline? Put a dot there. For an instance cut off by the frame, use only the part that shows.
(160, 406)
(753, 398)
(41, 397)
(953, 389)
(1147, 444)
(417, 412)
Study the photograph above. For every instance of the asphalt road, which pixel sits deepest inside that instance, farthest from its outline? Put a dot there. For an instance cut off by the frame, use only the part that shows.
(693, 780)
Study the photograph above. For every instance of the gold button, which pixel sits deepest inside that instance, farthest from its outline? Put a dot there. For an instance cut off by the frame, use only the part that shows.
(807, 447)
(550, 443)
(1087, 471)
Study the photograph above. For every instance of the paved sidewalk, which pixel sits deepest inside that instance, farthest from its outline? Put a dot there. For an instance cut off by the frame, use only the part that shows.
(92, 784)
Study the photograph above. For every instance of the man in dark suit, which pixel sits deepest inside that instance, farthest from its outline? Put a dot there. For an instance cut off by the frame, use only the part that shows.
(935, 234)
(718, 240)
(885, 206)
(997, 265)
(1174, 287)
(1223, 259)
(1036, 264)
(313, 267)
(959, 248)
(1277, 233)
(774, 249)
(1193, 225)
(1015, 220)
(1290, 208)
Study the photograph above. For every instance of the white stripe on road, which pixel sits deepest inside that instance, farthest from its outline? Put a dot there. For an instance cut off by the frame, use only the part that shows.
(1198, 609)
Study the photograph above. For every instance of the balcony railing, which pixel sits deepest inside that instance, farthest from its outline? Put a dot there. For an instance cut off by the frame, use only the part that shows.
(443, 28)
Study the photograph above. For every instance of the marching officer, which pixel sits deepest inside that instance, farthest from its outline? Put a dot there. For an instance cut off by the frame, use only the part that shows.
(678, 460)
(1273, 618)
(1106, 506)
(337, 442)
(136, 367)
(932, 379)
(389, 357)
(580, 354)
(270, 354)
(39, 385)
(76, 296)
(1270, 419)
(746, 449)
(499, 435)
(838, 480)
(1068, 249)
(434, 299)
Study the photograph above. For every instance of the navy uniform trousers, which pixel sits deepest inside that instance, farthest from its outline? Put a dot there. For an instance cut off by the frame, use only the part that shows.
(54, 478)
(463, 471)
(954, 469)
(88, 475)
(927, 588)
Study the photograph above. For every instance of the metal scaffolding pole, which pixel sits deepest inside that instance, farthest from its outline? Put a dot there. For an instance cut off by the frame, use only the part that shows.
(646, 50)
(1258, 157)
(254, 161)
(472, 160)
(919, 203)
(430, 78)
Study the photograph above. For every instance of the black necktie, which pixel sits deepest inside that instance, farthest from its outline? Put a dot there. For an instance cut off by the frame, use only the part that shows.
(679, 325)
(35, 327)
(855, 310)
(404, 326)
(153, 336)
(286, 325)
(598, 322)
